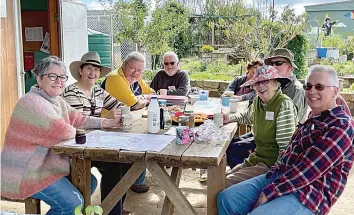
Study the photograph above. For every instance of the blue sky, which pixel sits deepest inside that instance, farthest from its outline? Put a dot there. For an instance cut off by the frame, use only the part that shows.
(297, 4)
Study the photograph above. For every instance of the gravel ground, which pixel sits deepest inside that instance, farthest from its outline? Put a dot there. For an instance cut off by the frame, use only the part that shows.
(150, 203)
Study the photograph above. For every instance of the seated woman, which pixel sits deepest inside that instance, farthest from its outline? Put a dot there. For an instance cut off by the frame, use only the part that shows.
(41, 119)
(245, 93)
(314, 168)
(89, 99)
(273, 115)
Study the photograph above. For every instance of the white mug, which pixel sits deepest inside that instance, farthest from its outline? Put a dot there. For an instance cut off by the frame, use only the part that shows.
(233, 105)
(163, 92)
(218, 119)
(125, 110)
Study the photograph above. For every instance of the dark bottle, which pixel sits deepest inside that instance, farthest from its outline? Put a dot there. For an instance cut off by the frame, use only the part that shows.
(162, 118)
(80, 137)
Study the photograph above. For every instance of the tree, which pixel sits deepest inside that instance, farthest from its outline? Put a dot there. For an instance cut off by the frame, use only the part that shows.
(169, 20)
(130, 16)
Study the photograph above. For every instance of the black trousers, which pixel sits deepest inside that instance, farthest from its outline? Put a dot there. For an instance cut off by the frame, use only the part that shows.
(111, 175)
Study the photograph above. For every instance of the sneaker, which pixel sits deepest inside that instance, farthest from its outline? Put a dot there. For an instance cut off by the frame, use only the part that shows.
(203, 175)
(140, 188)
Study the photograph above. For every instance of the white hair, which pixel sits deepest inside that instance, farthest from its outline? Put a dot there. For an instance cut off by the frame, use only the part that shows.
(332, 73)
(135, 56)
(171, 54)
(46, 63)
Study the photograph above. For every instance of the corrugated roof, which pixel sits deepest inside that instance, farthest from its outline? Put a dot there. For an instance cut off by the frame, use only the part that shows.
(339, 5)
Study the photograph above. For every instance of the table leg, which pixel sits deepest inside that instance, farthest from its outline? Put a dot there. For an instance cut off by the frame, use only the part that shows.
(216, 183)
(122, 187)
(171, 190)
(81, 177)
(168, 208)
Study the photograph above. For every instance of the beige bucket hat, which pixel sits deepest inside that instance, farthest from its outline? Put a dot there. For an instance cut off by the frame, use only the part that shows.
(89, 58)
(282, 52)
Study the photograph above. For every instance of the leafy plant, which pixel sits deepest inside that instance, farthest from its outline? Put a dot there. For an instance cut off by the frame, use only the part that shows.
(89, 210)
(207, 49)
(299, 46)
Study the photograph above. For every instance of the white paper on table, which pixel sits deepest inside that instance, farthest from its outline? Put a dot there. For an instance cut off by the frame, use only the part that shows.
(126, 141)
(172, 131)
(34, 34)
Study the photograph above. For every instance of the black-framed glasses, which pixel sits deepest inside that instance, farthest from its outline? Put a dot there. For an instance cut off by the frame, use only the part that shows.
(277, 63)
(93, 107)
(265, 82)
(318, 87)
(171, 63)
(54, 77)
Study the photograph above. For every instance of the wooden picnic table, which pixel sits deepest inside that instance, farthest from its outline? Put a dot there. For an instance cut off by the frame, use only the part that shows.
(195, 155)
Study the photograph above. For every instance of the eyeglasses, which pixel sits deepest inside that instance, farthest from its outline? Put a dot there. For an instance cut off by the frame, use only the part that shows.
(318, 87)
(93, 107)
(277, 63)
(265, 82)
(171, 63)
(54, 77)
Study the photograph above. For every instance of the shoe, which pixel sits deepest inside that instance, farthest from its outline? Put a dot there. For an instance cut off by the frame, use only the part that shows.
(140, 188)
(126, 212)
(203, 175)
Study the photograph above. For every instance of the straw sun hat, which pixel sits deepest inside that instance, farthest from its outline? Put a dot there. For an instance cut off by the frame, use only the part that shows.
(89, 58)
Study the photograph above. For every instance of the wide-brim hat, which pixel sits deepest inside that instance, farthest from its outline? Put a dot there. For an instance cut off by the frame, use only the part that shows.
(284, 53)
(266, 73)
(89, 58)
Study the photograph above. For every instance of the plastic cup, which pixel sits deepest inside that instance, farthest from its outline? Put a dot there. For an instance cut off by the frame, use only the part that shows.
(233, 105)
(125, 110)
(225, 101)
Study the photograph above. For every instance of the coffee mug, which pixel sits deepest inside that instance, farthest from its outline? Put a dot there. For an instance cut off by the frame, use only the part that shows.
(233, 105)
(163, 92)
(184, 135)
(125, 110)
(225, 101)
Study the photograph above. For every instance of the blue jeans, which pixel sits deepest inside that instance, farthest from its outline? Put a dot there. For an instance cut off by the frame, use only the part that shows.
(63, 197)
(141, 179)
(240, 199)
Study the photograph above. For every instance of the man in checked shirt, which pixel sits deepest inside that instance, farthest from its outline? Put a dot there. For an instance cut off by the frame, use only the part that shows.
(312, 172)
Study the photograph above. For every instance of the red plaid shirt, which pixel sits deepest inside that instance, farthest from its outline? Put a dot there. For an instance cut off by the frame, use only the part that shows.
(316, 164)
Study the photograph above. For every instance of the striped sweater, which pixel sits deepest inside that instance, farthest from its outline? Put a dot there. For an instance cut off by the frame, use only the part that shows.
(38, 122)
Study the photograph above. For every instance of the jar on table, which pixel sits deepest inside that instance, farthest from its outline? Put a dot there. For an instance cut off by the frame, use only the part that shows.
(183, 120)
(80, 137)
(190, 115)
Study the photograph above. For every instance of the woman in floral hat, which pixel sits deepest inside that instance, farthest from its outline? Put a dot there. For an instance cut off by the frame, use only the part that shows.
(274, 118)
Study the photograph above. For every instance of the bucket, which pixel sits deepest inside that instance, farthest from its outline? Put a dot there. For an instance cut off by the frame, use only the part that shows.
(321, 52)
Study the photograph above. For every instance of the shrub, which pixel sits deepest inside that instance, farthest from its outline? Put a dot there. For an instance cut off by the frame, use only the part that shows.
(207, 48)
(148, 75)
(299, 46)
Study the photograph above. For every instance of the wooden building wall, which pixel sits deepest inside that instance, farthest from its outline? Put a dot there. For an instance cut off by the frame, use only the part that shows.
(9, 95)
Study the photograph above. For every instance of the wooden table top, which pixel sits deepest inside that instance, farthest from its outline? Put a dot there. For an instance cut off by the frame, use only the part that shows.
(200, 155)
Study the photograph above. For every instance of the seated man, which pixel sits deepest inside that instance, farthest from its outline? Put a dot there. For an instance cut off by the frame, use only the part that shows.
(126, 84)
(175, 80)
(313, 170)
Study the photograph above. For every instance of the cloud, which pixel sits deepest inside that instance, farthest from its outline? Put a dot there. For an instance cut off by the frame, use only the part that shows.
(95, 6)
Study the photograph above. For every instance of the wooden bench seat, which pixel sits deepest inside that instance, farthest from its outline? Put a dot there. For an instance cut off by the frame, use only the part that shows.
(32, 206)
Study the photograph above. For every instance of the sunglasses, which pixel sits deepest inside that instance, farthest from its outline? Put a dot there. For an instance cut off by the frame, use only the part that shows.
(318, 87)
(171, 63)
(93, 107)
(277, 63)
(54, 77)
(265, 82)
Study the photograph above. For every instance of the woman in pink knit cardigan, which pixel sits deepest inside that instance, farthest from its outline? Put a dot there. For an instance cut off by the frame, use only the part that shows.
(41, 119)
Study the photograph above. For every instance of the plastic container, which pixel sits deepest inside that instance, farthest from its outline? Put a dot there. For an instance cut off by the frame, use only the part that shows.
(153, 116)
(207, 107)
(233, 105)
(190, 115)
(203, 95)
(225, 100)
(321, 52)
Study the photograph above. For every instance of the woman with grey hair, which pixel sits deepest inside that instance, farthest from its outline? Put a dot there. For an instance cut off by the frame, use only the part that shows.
(274, 118)
(41, 119)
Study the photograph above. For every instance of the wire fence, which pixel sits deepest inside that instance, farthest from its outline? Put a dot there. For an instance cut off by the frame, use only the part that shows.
(108, 24)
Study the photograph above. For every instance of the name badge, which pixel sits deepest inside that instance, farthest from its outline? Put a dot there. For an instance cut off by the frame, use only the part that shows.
(269, 115)
(99, 103)
(172, 88)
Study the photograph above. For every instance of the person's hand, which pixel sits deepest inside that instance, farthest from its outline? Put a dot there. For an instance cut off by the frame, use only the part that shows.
(261, 200)
(114, 113)
(147, 97)
(112, 123)
(238, 98)
(226, 118)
